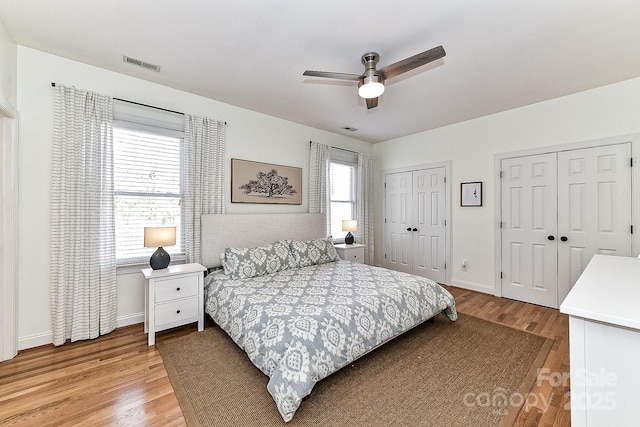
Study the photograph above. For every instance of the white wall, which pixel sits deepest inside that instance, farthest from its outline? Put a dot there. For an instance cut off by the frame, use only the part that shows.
(249, 135)
(600, 113)
(471, 146)
(8, 66)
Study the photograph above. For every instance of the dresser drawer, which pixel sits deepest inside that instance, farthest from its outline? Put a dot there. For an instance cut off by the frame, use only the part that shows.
(175, 288)
(176, 311)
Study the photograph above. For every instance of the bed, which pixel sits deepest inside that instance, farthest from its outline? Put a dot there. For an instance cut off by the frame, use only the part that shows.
(297, 310)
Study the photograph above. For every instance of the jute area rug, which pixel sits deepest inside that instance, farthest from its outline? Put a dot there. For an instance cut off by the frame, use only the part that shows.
(465, 373)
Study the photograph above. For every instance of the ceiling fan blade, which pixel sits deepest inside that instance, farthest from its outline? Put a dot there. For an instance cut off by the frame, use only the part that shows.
(330, 75)
(412, 62)
(371, 103)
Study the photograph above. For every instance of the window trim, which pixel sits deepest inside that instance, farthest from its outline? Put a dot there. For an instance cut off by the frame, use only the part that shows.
(153, 127)
(354, 188)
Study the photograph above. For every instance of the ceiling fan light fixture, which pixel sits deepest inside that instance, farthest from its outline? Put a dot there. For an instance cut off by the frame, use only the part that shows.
(371, 82)
(370, 87)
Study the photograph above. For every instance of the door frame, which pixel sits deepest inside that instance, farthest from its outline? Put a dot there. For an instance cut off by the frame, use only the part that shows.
(447, 230)
(8, 231)
(634, 139)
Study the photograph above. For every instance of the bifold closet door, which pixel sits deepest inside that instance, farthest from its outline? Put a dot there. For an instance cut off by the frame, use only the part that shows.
(398, 217)
(415, 236)
(428, 227)
(594, 208)
(529, 229)
(558, 210)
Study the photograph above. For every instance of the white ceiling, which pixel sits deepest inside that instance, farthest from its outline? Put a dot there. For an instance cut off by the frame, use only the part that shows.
(501, 54)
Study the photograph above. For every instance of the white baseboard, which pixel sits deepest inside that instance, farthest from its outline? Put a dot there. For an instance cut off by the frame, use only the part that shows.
(472, 286)
(36, 340)
(130, 319)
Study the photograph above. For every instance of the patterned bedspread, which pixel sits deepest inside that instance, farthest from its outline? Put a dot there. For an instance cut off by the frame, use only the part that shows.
(298, 326)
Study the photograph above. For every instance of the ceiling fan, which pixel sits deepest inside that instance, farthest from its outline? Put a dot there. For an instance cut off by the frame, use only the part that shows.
(371, 82)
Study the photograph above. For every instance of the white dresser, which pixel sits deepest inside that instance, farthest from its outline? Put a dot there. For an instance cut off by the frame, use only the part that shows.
(604, 339)
(174, 296)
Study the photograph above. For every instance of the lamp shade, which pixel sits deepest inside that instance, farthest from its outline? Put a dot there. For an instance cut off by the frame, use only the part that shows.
(349, 225)
(159, 236)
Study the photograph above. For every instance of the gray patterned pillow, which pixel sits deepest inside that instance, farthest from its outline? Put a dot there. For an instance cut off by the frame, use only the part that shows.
(314, 252)
(242, 263)
(223, 262)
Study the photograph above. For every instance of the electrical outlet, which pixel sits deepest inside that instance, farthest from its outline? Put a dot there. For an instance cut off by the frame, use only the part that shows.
(465, 265)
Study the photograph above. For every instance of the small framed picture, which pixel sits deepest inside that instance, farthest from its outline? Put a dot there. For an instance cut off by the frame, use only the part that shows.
(471, 194)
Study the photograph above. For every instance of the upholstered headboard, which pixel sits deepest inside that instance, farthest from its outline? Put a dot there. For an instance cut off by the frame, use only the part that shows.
(220, 231)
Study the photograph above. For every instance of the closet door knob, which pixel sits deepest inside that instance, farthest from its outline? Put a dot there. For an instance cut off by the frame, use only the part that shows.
(409, 229)
(564, 238)
(551, 238)
(415, 229)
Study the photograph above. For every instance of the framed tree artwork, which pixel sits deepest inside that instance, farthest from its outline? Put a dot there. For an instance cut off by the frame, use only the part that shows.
(471, 194)
(256, 182)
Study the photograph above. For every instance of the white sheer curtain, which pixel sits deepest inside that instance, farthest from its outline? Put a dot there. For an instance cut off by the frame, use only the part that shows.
(204, 177)
(83, 255)
(319, 191)
(364, 206)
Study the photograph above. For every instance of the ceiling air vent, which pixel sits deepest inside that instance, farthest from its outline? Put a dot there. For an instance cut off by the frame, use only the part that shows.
(349, 128)
(140, 63)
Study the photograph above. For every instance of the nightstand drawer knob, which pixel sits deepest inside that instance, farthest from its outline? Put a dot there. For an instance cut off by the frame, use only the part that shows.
(178, 312)
(177, 289)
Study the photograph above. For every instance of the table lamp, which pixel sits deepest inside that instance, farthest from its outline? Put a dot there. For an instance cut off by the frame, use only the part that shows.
(159, 236)
(349, 225)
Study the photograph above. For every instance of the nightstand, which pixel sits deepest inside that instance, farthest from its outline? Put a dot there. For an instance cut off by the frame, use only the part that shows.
(174, 296)
(353, 252)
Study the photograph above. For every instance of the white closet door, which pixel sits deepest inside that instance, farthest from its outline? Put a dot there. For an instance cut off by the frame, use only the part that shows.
(594, 208)
(429, 190)
(529, 229)
(398, 238)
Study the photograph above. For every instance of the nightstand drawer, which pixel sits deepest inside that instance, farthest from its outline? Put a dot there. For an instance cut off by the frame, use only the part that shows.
(176, 311)
(353, 252)
(179, 287)
(355, 256)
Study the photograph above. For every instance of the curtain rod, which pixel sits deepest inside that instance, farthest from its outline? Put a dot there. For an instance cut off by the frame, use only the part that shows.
(139, 103)
(53, 84)
(338, 148)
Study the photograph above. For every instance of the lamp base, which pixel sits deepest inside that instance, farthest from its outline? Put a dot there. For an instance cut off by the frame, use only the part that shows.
(349, 239)
(160, 259)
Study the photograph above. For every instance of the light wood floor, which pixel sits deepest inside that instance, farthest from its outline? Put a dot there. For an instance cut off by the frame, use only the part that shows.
(118, 380)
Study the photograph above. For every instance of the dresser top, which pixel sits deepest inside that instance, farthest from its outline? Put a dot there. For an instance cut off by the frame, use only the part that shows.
(607, 291)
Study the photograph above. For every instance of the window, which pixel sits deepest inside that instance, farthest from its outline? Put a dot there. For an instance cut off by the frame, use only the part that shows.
(343, 196)
(148, 186)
